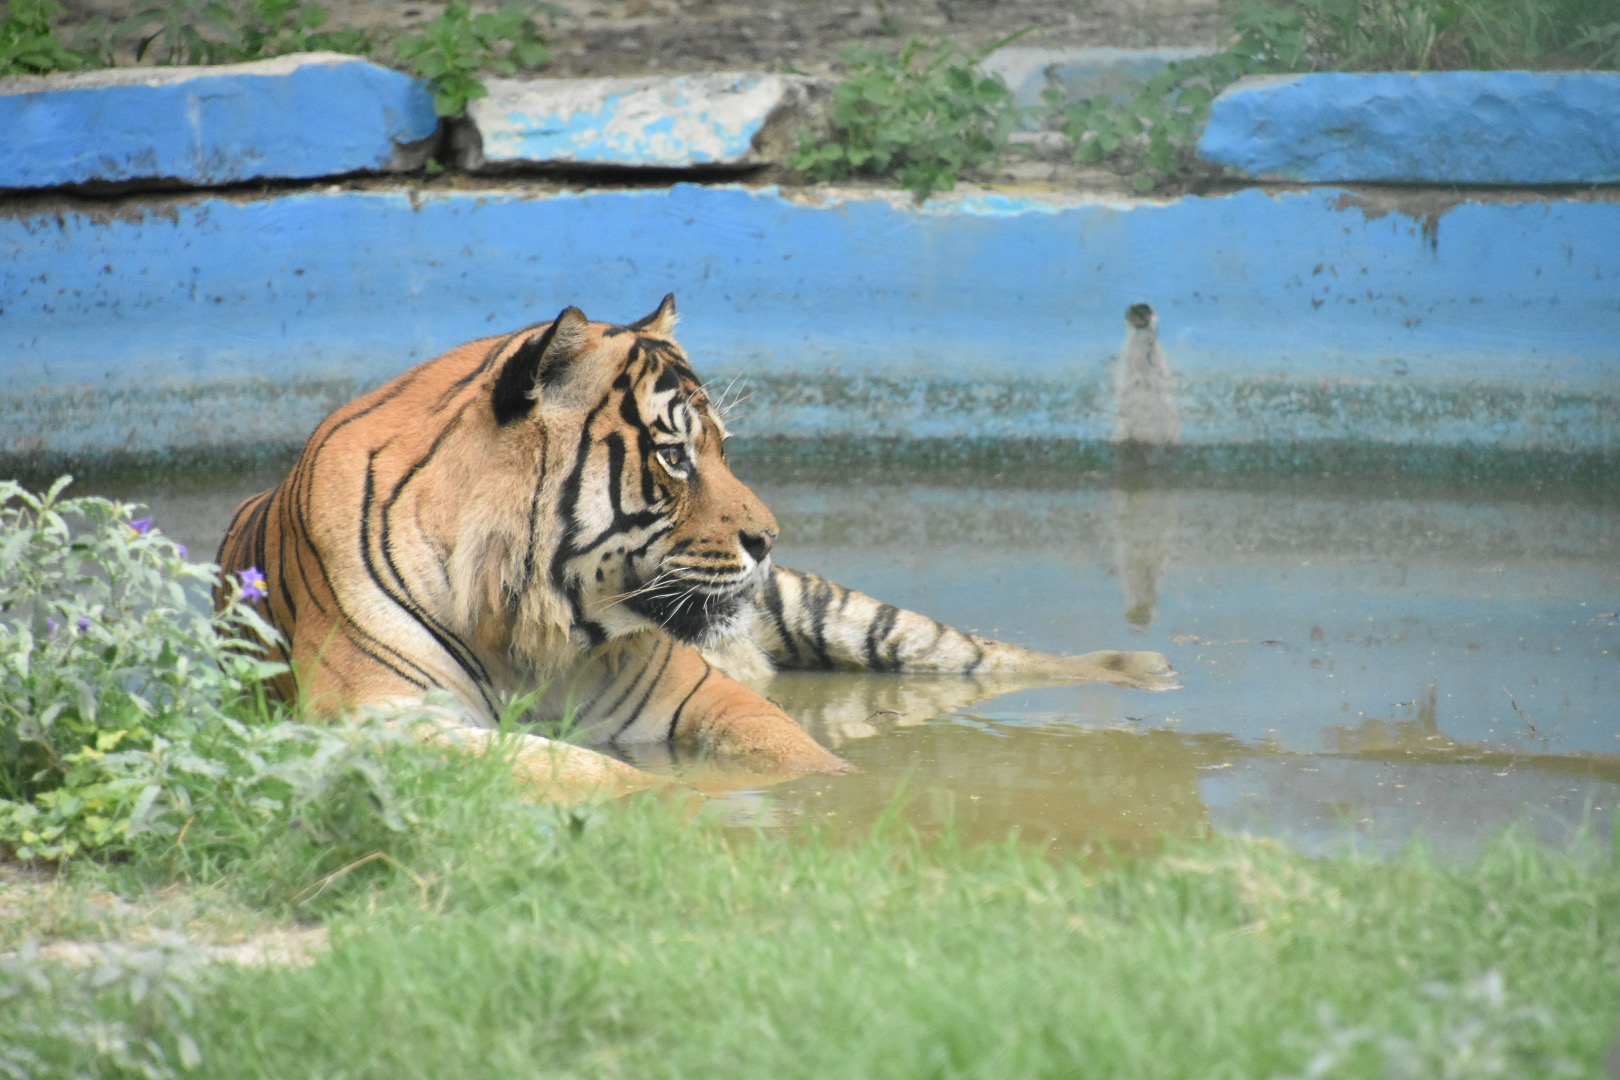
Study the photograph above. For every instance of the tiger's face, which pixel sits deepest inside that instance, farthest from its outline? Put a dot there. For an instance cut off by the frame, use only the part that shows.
(655, 528)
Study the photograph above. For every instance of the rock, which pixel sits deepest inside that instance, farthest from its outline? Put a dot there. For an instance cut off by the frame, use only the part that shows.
(737, 120)
(1076, 73)
(294, 117)
(1042, 145)
(1448, 127)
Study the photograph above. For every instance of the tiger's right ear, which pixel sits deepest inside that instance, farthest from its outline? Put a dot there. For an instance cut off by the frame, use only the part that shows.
(542, 361)
(660, 322)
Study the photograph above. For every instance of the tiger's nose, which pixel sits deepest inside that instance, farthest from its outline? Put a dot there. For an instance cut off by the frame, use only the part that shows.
(757, 544)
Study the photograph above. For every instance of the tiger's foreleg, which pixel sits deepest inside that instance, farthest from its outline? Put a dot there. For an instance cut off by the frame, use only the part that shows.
(650, 688)
(807, 622)
(548, 770)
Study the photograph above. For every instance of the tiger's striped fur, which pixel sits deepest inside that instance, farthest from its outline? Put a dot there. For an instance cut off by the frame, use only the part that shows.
(554, 508)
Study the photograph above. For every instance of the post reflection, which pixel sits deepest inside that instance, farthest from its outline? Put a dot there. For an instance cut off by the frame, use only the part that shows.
(1147, 435)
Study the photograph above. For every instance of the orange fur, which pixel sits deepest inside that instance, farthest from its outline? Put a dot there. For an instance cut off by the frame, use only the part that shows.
(550, 508)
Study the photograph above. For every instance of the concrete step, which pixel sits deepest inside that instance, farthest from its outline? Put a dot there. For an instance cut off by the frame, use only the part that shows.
(295, 117)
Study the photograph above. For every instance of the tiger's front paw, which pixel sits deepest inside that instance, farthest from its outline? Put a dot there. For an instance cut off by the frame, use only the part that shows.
(772, 742)
(1137, 670)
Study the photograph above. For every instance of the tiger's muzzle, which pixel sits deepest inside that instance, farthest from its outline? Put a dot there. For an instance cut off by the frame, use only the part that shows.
(698, 599)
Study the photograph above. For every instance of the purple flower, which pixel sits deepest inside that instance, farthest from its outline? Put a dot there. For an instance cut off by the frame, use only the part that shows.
(52, 625)
(252, 584)
(82, 622)
(181, 548)
(142, 526)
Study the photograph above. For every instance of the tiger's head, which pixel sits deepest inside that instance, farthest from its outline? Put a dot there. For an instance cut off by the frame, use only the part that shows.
(635, 519)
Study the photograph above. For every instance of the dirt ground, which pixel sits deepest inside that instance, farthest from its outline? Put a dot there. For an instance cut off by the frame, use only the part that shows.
(592, 37)
(631, 37)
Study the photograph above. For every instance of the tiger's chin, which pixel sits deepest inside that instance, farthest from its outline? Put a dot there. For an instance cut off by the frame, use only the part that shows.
(697, 618)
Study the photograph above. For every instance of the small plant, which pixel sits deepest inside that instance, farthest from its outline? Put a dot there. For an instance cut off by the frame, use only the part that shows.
(225, 32)
(28, 46)
(452, 49)
(1151, 139)
(279, 27)
(111, 664)
(924, 116)
(182, 32)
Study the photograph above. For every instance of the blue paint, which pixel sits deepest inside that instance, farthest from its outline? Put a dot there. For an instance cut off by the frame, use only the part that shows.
(648, 124)
(1452, 127)
(326, 116)
(1292, 317)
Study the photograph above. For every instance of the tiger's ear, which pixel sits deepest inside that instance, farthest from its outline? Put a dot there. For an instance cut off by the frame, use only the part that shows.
(660, 322)
(540, 362)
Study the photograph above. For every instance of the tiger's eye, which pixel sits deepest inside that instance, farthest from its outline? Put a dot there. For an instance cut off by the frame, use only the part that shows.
(674, 457)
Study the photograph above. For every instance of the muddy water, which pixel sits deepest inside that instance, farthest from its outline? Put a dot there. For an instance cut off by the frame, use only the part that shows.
(1360, 665)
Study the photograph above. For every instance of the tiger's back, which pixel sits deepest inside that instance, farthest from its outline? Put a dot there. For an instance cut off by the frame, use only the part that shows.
(358, 543)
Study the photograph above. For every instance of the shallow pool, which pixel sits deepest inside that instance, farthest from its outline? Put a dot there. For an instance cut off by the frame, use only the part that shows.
(1363, 661)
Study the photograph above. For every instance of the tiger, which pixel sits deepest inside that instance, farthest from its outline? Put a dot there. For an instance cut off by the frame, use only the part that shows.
(552, 512)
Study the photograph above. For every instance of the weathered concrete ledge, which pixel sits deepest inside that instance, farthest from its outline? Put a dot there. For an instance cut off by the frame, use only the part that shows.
(1450, 127)
(1306, 318)
(663, 121)
(317, 115)
(295, 117)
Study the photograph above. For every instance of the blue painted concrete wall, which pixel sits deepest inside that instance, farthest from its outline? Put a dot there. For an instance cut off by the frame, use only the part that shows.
(1285, 317)
(1449, 127)
(293, 118)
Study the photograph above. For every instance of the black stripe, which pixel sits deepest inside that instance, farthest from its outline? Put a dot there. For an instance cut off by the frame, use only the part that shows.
(420, 683)
(817, 599)
(463, 655)
(483, 365)
(232, 530)
(520, 376)
(298, 488)
(675, 718)
(254, 527)
(567, 505)
(774, 605)
(978, 657)
(635, 713)
(534, 521)
(284, 579)
(290, 536)
(652, 539)
(293, 491)
(452, 645)
(881, 626)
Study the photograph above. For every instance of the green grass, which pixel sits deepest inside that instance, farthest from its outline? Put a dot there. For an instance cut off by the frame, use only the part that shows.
(630, 941)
